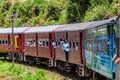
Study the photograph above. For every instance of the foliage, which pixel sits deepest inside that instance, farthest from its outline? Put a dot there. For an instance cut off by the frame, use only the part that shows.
(51, 12)
(102, 10)
(42, 12)
(19, 72)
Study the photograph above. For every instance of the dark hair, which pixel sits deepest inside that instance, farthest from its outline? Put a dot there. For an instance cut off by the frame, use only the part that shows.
(53, 40)
(61, 39)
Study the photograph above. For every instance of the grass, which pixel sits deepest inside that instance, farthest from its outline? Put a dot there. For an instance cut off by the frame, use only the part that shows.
(20, 72)
(24, 72)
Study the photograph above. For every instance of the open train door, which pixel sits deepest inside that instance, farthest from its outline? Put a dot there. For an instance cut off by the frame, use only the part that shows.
(51, 49)
(18, 46)
(13, 49)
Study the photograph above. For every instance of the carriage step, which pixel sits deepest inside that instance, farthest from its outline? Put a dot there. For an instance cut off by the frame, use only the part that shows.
(80, 70)
(50, 64)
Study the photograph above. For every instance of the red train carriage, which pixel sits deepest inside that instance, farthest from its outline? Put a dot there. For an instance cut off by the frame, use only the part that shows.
(75, 35)
(6, 40)
(3, 45)
(38, 44)
(19, 42)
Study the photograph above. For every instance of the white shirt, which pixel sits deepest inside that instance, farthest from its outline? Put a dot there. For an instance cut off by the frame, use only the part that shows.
(54, 44)
(66, 46)
(61, 45)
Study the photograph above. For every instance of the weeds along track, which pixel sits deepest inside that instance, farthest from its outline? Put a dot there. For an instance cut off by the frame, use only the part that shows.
(51, 71)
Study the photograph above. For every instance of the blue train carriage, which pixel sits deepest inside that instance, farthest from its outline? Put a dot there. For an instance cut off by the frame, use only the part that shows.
(89, 44)
(100, 47)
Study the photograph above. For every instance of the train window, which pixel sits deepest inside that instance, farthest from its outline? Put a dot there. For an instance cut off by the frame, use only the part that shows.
(27, 42)
(77, 45)
(57, 43)
(3, 42)
(90, 46)
(104, 46)
(100, 46)
(43, 43)
(0, 41)
(87, 45)
(40, 43)
(94, 46)
(6, 42)
(46, 43)
(102, 30)
(70, 44)
(32, 43)
(73, 44)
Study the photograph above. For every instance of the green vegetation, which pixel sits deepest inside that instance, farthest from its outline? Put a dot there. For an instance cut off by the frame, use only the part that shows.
(50, 12)
(102, 9)
(20, 72)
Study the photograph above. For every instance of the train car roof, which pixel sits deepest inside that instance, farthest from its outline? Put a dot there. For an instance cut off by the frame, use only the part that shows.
(74, 27)
(16, 30)
(103, 22)
(42, 29)
(85, 25)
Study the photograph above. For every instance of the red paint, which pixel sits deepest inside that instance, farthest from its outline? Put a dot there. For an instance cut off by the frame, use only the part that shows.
(53, 49)
(66, 35)
(37, 44)
(19, 43)
(9, 43)
(23, 42)
(50, 45)
(80, 46)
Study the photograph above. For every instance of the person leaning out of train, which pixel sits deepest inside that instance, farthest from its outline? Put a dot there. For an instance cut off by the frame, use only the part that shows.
(53, 43)
(116, 59)
(66, 47)
(61, 44)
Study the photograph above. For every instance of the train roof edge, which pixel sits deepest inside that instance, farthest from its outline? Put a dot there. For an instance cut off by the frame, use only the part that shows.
(60, 28)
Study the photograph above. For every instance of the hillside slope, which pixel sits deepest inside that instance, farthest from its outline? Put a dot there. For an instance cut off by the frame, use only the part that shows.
(50, 12)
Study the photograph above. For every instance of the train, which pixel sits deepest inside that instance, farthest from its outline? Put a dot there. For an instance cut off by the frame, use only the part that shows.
(94, 47)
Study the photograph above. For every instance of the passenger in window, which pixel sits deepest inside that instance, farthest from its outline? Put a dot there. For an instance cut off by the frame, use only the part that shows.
(27, 43)
(40, 43)
(34, 43)
(53, 43)
(76, 48)
(66, 47)
(61, 44)
(43, 43)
